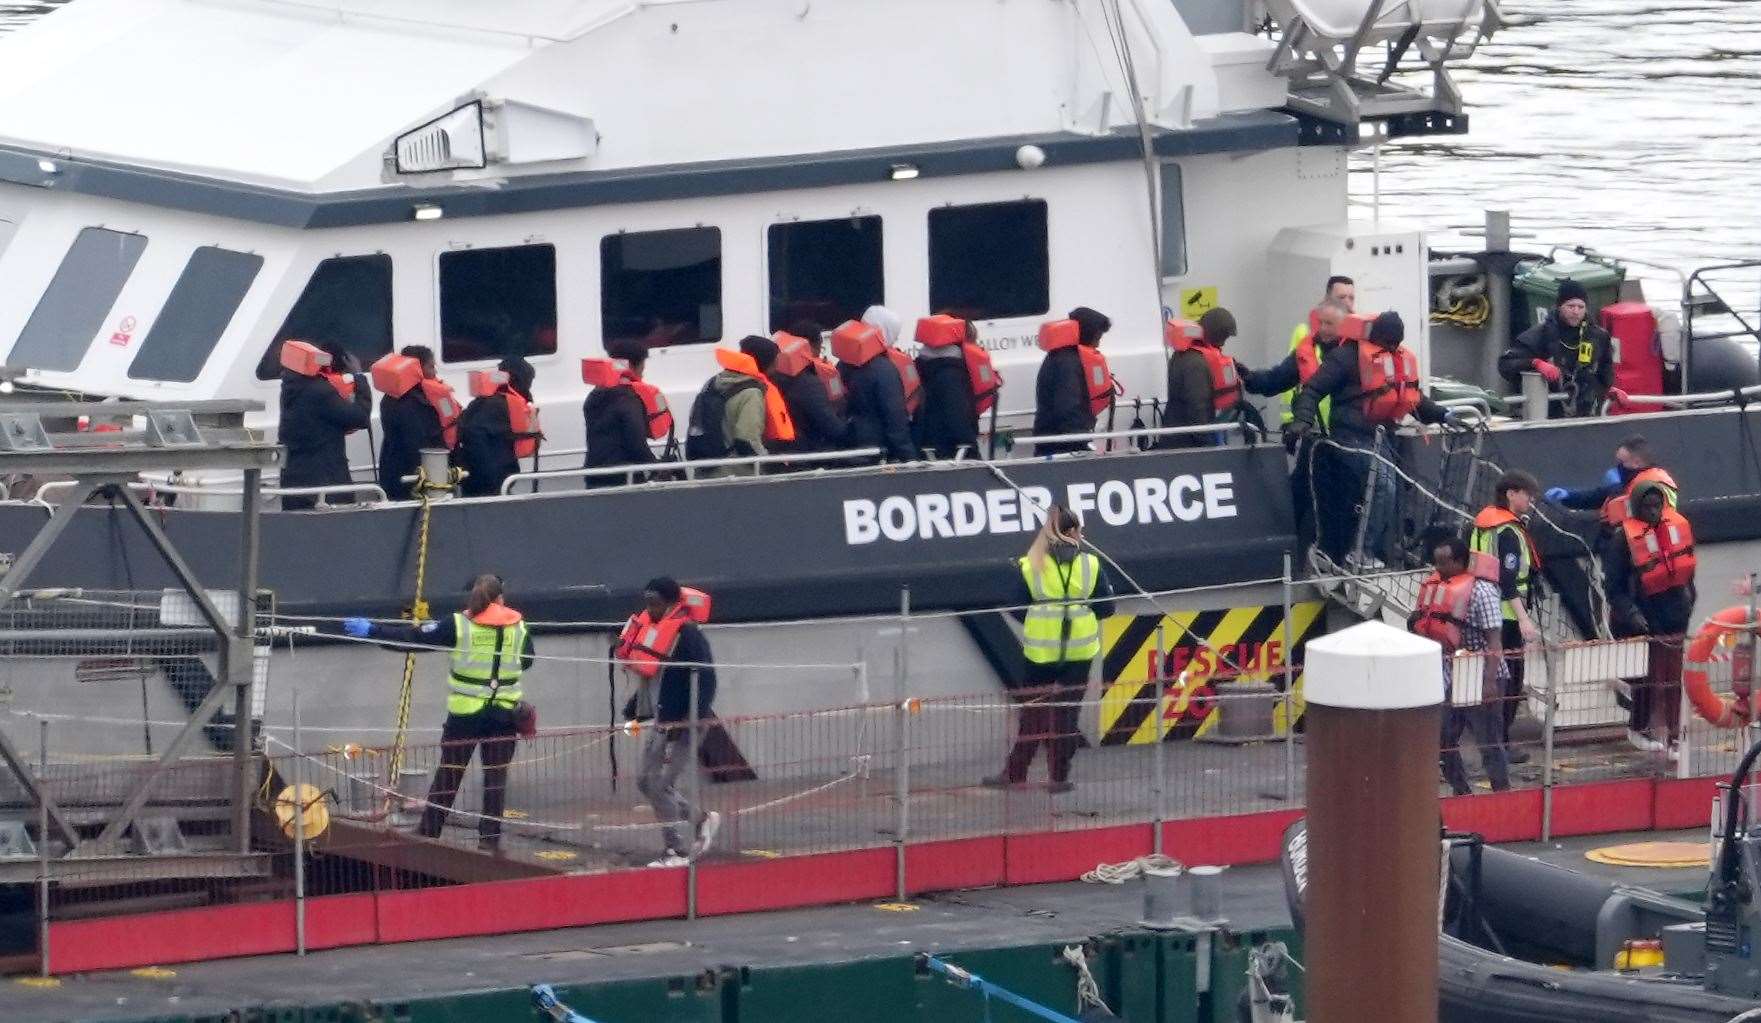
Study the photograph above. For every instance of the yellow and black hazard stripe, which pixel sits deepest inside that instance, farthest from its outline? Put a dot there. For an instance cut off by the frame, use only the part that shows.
(1203, 650)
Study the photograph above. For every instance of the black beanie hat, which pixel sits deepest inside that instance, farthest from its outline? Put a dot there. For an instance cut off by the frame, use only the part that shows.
(1218, 325)
(1388, 330)
(1570, 289)
(762, 349)
(665, 588)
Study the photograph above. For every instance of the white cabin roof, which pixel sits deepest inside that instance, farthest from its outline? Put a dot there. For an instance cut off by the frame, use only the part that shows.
(309, 95)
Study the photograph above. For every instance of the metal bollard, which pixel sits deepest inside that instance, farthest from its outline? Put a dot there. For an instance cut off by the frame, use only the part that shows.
(1534, 396)
(436, 468)
(1161, 898)
(1204, 889)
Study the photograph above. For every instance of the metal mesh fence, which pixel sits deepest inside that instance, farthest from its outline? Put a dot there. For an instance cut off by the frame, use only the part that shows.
(120, 832)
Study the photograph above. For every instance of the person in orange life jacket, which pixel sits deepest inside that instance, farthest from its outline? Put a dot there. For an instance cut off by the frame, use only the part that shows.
(875, 393)
(316, 420)
(1460, 611)
(492, 650)
(617, 420)
(1204, 385)
(1069, 594)
(819, 418)
(739, 412)
(1506, 555)
(948, 418)
(410, 423)
(1575, 357)
(1648, 574)
(1633, 463)
(1061, 403)
(1362, 418)
(489, 445)
(1315, 470)
(666, 752)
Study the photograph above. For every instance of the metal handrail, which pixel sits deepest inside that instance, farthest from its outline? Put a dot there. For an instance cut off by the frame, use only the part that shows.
(689, 467)
(1709, 397)
(373, 492)
(1146, 431)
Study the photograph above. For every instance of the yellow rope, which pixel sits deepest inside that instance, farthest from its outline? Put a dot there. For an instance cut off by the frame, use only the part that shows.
(424, 489)
(1470, 312)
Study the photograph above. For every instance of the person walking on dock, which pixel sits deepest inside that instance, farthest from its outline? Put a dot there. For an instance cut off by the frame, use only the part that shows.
(672, 637)
(1461, 612)
(491, 650)
(1069, 593)
(1649, 574)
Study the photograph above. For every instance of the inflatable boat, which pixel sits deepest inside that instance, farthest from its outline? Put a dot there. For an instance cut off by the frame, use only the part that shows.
(1524, 941)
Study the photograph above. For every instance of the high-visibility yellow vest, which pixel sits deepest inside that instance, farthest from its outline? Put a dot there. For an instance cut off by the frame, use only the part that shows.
(1061, 626)
(1484, 545)
(485, 665)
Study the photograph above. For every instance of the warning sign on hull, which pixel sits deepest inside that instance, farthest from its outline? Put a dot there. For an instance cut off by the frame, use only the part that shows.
(1202, 654)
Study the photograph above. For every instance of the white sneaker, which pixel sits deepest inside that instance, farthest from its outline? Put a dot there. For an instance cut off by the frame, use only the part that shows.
(712, 823)
(671, 859)
(1643, 743)
(1675, 752)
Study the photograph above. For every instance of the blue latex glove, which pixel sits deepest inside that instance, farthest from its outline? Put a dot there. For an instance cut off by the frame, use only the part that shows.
(1555, 493)
(1611, 478)
(360, 628)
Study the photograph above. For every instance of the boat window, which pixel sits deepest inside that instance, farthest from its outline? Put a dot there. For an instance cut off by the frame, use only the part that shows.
(346, 303)
(496, 303)
(78, 300)
(827, 271)
(662, 287)
(202, 303)
(989, 262)
(1173, 222)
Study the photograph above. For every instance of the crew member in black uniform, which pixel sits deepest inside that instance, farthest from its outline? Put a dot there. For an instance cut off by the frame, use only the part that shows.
(1574, 356)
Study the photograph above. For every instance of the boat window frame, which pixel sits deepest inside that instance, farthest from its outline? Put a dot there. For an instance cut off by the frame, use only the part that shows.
(1182, 258)
(940, 303)
(466, 249)
(268, 367)
(770, 249)
(91, 310)
(200, 281)
(607, 270)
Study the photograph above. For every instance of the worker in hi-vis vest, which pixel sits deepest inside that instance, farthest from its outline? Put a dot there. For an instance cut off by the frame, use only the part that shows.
(491, 650)
(1068, 593)
(1315, 471)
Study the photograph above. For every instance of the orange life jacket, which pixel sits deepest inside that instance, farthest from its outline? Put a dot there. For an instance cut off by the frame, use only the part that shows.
(343, 382)
(1663, 557)
(1308, 355)
(1619, 508)
(438, 394)
(617, 373)
(981, 372)
(858, 343)
(396, 375)
(1225, 385)
(1097, 377)
(303, 357)
(1442, 612)
(1484, 564)
(645, 643)
(522, 417)
(795, 357)
(778, 426)
(1388, 382)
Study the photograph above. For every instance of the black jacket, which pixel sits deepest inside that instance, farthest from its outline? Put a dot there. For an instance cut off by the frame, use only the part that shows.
(1189, 400)
(672, 703)
(1550, 340)
(948, 417)
(315, 422)
(486, 446)
(410, 424)
(1337, 378)
(819, 426)
(876, 400)
(1061, 401)
(1666, 614)
(617, 432)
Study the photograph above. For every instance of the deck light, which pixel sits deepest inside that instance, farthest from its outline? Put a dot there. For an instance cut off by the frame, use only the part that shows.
(429, 211)
(903, 171)
(48, 166)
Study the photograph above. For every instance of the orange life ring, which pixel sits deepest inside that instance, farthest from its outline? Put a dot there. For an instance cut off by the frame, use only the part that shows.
(1712, 644)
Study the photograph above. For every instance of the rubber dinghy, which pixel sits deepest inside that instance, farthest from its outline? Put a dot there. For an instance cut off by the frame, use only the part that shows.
(1524, 941)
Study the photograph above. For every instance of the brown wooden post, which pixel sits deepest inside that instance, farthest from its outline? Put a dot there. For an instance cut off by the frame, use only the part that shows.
(1370, 908)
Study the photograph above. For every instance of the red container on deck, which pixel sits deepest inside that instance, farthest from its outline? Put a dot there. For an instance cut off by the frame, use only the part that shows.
(1638, 352)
